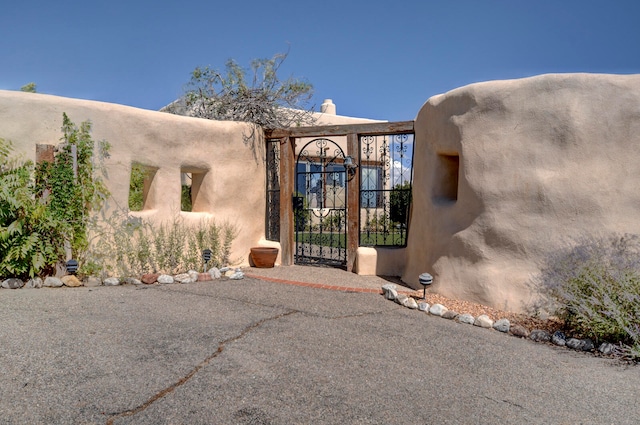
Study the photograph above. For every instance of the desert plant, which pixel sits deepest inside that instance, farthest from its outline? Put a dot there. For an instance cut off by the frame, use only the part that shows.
(594, 285)
(128, 246)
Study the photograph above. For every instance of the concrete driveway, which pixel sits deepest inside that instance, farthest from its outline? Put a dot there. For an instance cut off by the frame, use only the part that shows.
(257, 352)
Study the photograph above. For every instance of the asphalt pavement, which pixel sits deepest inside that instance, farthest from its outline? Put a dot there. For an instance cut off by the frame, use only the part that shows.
(262, 352)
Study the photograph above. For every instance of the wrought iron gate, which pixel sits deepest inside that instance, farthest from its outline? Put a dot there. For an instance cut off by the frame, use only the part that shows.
(320, 204)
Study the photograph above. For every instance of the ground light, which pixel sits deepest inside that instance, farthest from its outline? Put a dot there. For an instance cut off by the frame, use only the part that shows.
(206, 256)
(425, 280)
(72, 266)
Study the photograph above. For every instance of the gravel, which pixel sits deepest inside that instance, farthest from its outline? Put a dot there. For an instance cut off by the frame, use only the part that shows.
(552, 324)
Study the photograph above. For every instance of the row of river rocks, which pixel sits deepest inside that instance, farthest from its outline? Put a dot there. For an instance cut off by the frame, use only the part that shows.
(146, 279)
(558, 338)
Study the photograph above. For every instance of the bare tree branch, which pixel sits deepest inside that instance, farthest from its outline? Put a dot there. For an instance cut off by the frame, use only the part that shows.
(267, 101)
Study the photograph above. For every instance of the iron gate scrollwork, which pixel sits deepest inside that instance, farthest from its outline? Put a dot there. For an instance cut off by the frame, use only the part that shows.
(320, 204)
(272, 228)
(385, 189)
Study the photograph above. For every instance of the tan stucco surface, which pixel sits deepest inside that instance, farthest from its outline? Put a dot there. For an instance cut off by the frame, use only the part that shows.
(233, 185)
(540, 160)
(537, 160)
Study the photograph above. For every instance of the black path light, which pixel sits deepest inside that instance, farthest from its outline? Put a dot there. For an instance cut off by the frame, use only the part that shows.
(425, 280)
(72, 266)
(206, 256)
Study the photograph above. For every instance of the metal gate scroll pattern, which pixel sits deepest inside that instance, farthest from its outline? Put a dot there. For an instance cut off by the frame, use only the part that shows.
(273, 191)
(320, 204)
(385, 189)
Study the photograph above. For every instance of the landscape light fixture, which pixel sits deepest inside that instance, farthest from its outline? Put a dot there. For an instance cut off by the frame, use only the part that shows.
(206, 256)
(425, 280)
(350, 166)
(72, 266)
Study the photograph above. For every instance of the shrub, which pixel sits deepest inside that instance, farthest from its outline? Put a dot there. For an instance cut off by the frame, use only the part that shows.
(378, 222)
(595, 287)
(335, 221)
(127, 246)
(30, 233)
(46, 206)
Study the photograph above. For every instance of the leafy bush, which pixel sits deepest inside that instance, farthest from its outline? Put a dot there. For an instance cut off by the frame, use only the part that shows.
(30, 234)
(377, 222)
(127, 246)
(73, 194)
(335, 221)
(46, 207)
(595, 287)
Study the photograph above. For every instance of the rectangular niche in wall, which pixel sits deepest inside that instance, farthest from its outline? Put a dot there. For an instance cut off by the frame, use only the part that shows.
(140, 183)
(445, 187)
(191, 184)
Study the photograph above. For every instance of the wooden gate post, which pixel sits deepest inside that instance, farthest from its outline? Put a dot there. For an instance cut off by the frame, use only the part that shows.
(353, 203)
(287, 182)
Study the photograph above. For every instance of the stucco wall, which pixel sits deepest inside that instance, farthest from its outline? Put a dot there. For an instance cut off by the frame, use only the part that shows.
(233, 188)
(540, 159)
(504, 172)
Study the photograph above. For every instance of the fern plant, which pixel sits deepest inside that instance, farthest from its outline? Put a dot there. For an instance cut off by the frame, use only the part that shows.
(30, 234)
(44, 206)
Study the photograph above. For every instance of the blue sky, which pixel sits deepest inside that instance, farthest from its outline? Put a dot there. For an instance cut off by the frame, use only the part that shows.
(375, 59)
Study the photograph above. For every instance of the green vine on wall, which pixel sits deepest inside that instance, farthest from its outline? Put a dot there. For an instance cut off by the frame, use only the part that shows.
(73, 188)
(45, 207)
(72, 185)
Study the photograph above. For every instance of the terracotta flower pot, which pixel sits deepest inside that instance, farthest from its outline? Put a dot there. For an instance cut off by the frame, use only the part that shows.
(264, 257)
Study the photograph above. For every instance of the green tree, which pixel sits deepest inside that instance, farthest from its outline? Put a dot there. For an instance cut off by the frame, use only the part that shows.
(256, 95)
(400, 202)
(29, 88)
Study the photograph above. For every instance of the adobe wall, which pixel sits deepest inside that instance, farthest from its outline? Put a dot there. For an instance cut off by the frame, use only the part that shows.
(539, 160)
(233, 187)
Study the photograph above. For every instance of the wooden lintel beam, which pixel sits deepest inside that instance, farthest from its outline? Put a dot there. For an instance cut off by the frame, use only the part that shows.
(378, 128)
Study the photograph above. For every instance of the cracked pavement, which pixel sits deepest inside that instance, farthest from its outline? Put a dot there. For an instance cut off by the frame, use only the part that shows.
(256, 352)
